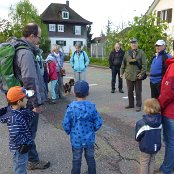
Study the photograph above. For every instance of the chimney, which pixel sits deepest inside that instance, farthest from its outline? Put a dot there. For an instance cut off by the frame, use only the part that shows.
(67, 3)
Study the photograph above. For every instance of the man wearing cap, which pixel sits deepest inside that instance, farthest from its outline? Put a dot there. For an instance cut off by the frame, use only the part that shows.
(28, 73)
(134, 67)
(158, 68)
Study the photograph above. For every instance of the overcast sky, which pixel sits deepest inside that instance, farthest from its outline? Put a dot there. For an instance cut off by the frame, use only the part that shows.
(96, 11)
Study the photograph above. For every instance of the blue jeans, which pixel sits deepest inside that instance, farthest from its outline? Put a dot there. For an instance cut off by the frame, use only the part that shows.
(32, 153)
(53, 89)
(59, 86)
(77, 159)
(80, 76)
(19, 162)
(168, 133)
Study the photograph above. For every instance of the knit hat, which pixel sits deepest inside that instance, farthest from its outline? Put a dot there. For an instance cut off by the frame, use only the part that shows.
(82, 88)
(16, 93)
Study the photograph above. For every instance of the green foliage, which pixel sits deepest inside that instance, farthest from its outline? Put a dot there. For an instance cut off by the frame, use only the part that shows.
(89, 37)
(20, 15)
(99, 61)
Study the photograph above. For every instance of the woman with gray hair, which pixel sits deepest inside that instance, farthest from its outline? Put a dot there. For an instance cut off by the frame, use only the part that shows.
(59, 60)
(79, 61)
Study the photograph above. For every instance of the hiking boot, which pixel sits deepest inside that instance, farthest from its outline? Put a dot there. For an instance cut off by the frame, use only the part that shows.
(112, 91)
(121, 91)
(38, 165)
(128, 107)
(138, 109)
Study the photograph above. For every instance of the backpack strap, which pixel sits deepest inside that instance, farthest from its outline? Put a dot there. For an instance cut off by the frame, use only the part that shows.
(164, 67)
(83, 56)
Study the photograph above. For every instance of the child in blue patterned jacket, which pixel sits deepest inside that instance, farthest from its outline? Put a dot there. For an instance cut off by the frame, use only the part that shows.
(17, 119)
(81, 121)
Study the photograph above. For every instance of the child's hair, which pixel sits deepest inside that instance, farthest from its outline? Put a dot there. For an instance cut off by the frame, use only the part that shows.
(14, 103)
(79, 95)
(152, 106)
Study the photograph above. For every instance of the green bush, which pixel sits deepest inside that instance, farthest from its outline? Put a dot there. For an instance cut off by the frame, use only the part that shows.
(99, 61)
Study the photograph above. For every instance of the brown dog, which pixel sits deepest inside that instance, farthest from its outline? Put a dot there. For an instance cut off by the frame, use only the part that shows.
(67, 86)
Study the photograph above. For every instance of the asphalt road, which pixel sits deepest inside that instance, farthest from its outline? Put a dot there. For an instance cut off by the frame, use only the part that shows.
(116, 150)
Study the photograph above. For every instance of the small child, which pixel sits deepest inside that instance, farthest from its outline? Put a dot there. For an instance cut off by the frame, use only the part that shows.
(81, 121)
(148, 134)
(17, 119)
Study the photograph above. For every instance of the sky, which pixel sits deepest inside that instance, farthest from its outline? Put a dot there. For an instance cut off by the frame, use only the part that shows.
(97, 11)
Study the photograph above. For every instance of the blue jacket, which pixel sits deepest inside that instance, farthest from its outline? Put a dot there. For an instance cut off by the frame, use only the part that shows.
(81, 121)
(158, 67)
(79, 62)
(18, 125)
(148, 133)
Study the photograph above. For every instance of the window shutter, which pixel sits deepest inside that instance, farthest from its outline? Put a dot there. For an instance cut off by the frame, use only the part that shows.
(159, 17)
(73, 29)
(82, 30)
(64, 43)
(169, 15)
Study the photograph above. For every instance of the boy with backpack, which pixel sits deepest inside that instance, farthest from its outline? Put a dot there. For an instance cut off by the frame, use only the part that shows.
(81, 121)
(148, 134)
(17, 119)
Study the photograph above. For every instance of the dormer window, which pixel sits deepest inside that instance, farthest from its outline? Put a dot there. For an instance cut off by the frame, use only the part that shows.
(65, 15)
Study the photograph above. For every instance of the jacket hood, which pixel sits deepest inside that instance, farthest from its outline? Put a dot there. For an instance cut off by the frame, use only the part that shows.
(169, 61)
(153, 120)
(82, 108)
(5, 113)
(50, 58)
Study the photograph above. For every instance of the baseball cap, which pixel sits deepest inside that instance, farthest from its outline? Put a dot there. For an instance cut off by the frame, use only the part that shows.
(133, 40)
(82, 88)
(17, 92)
(160, 42)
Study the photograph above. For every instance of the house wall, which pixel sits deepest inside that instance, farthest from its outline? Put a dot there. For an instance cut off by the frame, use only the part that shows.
(69, 43)
(163, 5)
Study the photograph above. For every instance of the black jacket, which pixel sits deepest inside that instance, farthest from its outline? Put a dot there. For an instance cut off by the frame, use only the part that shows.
(148, 133)
(116, 58)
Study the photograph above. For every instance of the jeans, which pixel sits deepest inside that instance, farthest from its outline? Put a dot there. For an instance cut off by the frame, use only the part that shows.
(19, 162)
(147, 163)
(59, 85)
(115, 71)
(168, 133)
(77, 158)
(53, 89)
(32, 153)
(80, 76)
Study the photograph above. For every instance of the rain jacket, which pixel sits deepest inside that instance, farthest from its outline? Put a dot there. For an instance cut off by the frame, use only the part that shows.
(81, 121)
(148, 133)
(18, 125)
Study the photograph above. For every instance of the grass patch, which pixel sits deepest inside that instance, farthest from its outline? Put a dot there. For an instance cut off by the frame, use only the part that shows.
(99, 61)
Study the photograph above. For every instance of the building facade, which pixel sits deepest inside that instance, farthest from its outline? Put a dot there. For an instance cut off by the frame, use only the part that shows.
(65, 26)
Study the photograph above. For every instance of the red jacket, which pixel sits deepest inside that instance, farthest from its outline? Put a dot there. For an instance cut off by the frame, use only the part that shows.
(52, 71)
(166, 97)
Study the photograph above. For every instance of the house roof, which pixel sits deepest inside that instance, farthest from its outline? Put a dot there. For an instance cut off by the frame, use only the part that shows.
(153, 5)
(100, 39)
(53, 14)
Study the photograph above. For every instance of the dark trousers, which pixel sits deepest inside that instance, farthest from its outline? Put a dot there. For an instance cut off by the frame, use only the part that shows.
(115, 71)
(77, 159)
(137, 85)
(155, 89)
(32, 153)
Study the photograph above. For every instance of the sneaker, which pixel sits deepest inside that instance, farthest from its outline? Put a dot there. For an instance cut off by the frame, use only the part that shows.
(121, 91)
(112, 91)
(138, 109)
(128, 107)
(38, 165)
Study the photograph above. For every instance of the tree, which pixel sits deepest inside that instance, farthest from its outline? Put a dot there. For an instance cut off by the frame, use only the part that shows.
(24, 12)
(108, 27)
(89, 37)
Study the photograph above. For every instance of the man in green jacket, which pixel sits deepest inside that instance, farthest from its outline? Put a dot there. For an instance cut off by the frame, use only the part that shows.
(134, 67)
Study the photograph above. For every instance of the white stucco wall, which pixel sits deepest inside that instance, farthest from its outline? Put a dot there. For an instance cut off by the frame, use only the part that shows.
(69, 43)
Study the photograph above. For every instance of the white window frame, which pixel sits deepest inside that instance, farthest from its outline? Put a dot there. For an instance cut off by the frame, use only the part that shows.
(78, 30)
(63, 13)
(60, 28)
(52, 27)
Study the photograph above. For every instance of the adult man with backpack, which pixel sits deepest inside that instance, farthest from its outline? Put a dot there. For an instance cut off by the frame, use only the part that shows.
(79, 61)
(158, 68)
(28, 73)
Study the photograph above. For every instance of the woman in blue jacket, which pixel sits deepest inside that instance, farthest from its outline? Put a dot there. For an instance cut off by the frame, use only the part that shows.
(79, 61)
